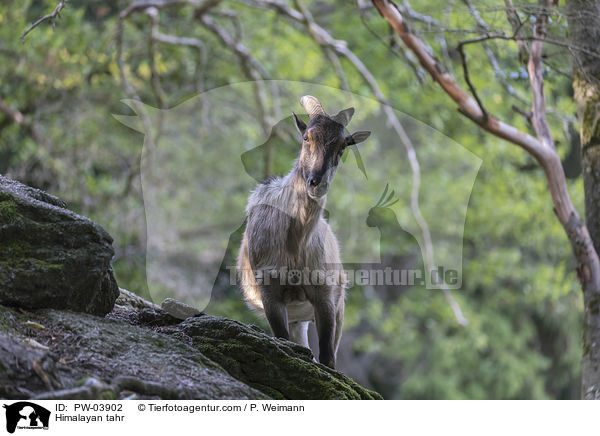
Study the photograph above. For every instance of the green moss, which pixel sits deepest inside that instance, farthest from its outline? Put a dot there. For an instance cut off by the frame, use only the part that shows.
(42, 265)
(268, 390)
(278, 369)
(108, 395)
(8, 211)
(18, 254)
(81, 381)
(36, 266)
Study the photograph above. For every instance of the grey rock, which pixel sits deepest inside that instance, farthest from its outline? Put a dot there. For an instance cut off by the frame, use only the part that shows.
(276, 367)
(103, 358)
(51, 257)
(178, 309)
(139, 351)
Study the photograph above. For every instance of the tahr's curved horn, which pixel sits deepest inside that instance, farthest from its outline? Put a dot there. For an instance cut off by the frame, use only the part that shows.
(312, 106)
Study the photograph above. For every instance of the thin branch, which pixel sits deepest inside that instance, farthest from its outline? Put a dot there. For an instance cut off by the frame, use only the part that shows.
(276, 5)
(337, 66)
(534, 68)
(140, 5)
(232, 16)
(52, 17)
(516, 24)
(255, 70)
(524, 113)
(189, 42)
(557, 70)
(414, 65)
(413, 15)
(202, 6)
(498, 72)
(441, 37)
(467, 104)
(501, 35)
(465, 68)
(500, 75)
(401, 54)
(159, 93)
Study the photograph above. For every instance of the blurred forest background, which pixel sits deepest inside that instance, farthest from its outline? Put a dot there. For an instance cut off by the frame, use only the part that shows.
(519, 292)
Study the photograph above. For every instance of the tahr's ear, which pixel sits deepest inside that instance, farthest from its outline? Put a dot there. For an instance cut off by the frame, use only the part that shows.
(357, 137)
(300, 125)
(343, 117)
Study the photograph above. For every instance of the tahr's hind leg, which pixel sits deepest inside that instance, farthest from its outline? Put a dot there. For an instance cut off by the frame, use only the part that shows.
(339, 323)
(299, 333)
(325, 314)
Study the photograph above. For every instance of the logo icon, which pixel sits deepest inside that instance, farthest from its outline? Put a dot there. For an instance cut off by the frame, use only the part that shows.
(26, 415)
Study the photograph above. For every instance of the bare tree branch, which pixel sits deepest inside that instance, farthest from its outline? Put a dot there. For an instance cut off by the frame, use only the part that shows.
(500, 76)
(392, 44)
(541, 149)
(501, 35)
(159, 93)
(534, 68)
(337, 66)
(523, 50)
(51, 17)
(515, 22)
(189, 42)
(441, 38)
(202, 6)
(465, 68)
(251, 67)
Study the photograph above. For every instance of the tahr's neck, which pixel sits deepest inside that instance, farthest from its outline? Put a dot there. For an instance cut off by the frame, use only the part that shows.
(306, 209)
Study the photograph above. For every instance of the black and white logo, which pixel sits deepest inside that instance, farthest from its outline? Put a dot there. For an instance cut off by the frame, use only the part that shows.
(26, 415)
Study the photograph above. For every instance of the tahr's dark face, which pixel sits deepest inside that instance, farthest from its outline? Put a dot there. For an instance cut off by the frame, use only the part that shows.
(323, 143)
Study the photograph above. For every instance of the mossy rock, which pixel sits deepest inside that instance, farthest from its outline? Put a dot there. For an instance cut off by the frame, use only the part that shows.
(279, 368)
(50, 257)
(80, 356)
(140, 351)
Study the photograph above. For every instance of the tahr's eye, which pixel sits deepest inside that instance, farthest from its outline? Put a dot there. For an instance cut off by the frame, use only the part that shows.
(305, 138)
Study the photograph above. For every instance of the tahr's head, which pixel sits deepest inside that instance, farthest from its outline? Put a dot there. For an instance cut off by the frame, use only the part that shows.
(323, 143)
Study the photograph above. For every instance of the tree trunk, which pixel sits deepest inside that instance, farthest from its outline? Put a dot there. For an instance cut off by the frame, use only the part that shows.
(584, 32)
